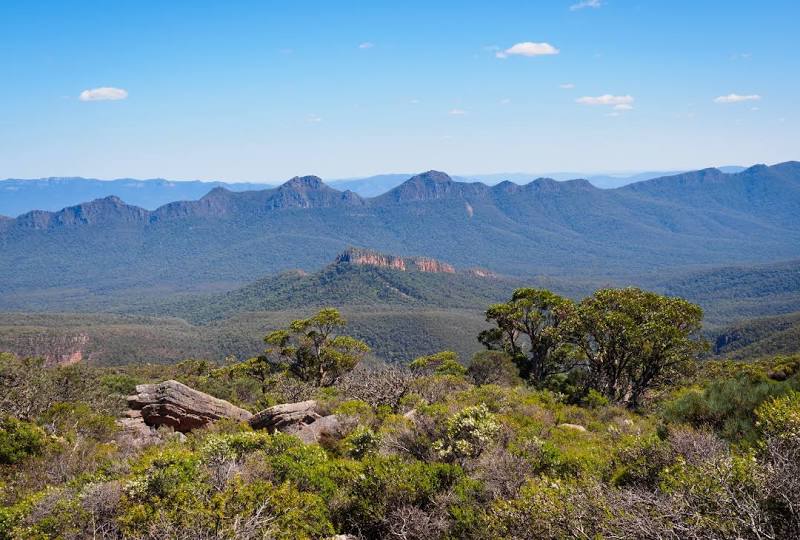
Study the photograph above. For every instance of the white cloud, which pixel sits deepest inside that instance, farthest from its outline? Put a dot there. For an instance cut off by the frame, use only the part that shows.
(528, 48)
(457, 112)
(736, 98)
(505, 101)
(606, 99)
(566, 86)
(313, 118)
(623, 107)
(366, 45)
(585, 4)
(104, 93)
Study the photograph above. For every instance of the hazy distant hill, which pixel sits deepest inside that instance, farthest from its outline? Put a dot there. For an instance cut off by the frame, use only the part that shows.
(20, 196)
(106, 248)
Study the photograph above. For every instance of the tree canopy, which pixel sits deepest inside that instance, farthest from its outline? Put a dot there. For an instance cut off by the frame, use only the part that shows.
(311, 350)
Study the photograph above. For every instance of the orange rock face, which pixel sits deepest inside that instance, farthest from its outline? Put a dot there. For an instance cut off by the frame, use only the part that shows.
(56, 349)
(424, 264)
(372, 258)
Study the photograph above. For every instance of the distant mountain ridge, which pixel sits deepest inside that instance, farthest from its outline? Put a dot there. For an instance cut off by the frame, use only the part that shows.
(18, 196)
(542, 228)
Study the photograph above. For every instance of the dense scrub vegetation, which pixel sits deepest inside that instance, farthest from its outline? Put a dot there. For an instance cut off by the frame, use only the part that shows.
(490, 449)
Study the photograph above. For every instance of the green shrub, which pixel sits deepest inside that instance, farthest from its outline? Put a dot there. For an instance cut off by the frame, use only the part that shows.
(469, 433)
(780, 417)
(72, 419)
(362, 441)
(20, 440)
(727, 405)
(441, 363)
(494, 367)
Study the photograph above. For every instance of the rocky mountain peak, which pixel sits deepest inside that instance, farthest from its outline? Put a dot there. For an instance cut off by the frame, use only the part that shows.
(304, 182)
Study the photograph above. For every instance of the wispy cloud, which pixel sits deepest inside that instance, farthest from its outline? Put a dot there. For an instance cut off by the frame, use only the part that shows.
(528, 48)
(505, 101)
(742, 56)
(415, 101)
(313, 118)
(457, 112)
(586, 4)
(619, 102)
(736, 98)
(104, 93)
(566, 86)
(623, 107)
(366, 45)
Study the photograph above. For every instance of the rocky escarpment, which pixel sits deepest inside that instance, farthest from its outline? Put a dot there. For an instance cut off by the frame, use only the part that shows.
(55, 348)
(365, 257)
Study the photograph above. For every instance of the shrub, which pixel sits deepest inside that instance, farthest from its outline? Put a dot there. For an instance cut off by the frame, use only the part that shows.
(780, 417)
(362, 441)
(727, 405)
(441, 363)
(469, 433)
(20, 440)
(79, 419)
(493, 367)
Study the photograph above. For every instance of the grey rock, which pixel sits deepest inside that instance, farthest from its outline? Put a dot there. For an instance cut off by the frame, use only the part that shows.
(299, 419)
(575, 427)
(285, 416)
(173, 404)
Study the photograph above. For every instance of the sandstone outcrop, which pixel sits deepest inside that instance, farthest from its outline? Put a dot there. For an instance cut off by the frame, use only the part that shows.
(300, 419)
(173, 404)
(367, 257)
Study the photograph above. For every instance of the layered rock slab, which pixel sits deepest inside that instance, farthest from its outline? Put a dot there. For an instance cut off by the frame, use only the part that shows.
(173, 404)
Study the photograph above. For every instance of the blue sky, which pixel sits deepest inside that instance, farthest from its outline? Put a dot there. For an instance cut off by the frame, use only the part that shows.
(264, 90)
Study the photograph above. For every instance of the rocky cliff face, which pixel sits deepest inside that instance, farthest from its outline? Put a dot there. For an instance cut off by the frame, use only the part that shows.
(424, 264)
(366, 257)
(56, 349)
(481, 273)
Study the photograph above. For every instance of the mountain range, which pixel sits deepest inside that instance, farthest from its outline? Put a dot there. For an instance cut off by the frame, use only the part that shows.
(103, 250)
(19, 196)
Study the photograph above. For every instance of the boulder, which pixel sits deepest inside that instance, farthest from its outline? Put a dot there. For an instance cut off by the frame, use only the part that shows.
(173, 404)
(319, 429)
(574, 427)
(300, 419)
(134, 430)
(285, 416)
